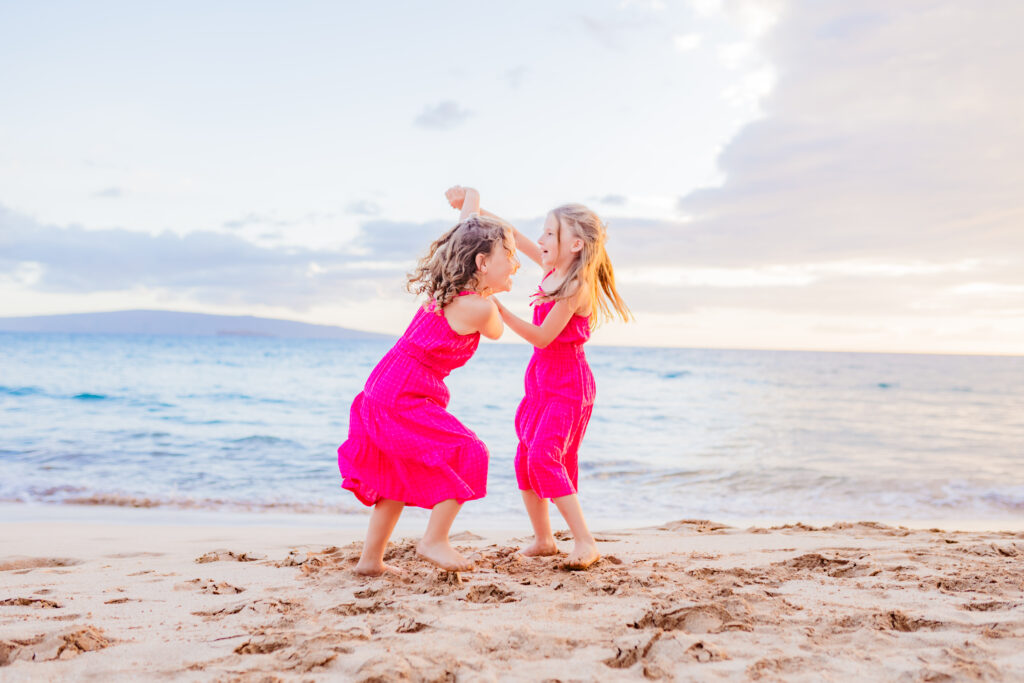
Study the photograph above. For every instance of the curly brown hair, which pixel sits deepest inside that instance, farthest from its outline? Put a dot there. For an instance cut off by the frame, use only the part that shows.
(450, 264)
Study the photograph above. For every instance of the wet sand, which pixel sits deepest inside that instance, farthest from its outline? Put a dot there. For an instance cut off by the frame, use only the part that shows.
(689, 600)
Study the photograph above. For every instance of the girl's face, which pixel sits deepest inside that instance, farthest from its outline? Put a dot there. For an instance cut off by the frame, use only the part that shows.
(497, 268)
(557, 246)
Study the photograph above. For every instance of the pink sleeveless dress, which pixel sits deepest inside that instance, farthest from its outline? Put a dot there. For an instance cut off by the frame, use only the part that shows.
(554, 414)
(402, 443)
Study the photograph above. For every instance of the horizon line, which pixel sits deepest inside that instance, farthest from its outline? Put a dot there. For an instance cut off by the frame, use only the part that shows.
(392, 334)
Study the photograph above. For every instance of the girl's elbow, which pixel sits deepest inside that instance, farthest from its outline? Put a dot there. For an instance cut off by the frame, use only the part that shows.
(493, 331)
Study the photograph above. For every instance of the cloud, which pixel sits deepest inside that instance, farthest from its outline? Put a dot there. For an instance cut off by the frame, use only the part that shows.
(362, 208)
(394, 241)
(514, 77)
(273, 221)
(442, 116)
(882, 178)
(212, 266)
(650, 5)
(686, 42)
(892, 132)
(613, 34)
(109, 193)
(613, 199)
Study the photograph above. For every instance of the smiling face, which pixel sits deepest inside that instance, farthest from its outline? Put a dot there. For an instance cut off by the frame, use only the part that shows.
(495, 270)
(558, 246)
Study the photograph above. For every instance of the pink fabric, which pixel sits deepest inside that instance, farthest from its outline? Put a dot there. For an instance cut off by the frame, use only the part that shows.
(402, 443)
(552, 418)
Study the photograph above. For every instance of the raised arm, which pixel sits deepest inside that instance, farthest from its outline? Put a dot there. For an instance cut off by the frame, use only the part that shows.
(461, 197)
(523, 243)
(470, 204)
(540, 335)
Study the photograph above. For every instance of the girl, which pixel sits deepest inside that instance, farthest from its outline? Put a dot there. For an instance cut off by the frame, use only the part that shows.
(403, 447)
(577, 291)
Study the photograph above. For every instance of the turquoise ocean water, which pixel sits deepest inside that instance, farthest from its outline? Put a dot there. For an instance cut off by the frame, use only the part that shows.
(240, 423)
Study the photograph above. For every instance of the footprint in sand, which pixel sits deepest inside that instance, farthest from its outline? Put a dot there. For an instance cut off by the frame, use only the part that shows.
(351, 609)
(29, 563)
(991, 606)
(228, 556)
(120, 601)
(393, 667)
(700, 526)
(209, 586)
(38, 603)
(705, 618)
(410, 626)
(490, 593)
(47, 647)
(898, 621)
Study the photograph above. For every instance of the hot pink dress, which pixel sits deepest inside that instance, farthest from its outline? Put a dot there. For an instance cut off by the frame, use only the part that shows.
(402, 443)
(553, 416)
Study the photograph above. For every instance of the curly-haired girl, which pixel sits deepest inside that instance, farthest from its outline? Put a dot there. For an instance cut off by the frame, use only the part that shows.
(403, 446)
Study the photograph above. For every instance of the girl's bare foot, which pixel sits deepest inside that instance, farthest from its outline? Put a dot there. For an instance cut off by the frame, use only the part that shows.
(582, 556)
(444, 556)
(371, 568)
(540, 548)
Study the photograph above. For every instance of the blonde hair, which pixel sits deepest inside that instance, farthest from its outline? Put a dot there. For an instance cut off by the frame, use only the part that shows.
(592, 269)
(450, 264)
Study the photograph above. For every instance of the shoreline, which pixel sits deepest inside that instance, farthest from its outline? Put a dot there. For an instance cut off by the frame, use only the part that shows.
(170, 515)
(682, 600)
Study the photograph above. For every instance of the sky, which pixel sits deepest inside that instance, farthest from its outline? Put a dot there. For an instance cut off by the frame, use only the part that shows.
(787, 174)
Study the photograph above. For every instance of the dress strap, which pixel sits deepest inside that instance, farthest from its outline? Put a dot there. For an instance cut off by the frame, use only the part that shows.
(465, 293)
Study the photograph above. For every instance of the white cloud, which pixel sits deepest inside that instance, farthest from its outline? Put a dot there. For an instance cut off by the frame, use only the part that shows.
(515, 76)
(990, 288)
(651, 5)
(687, 42)
(706, 8)
(891, 135)
(734, 55)
(210, 266)
(363, 208)
(442, 116)
(717, 277)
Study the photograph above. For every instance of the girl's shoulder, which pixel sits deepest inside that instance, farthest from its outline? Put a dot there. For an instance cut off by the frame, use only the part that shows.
(576, 294)
(470, 301)
(581, 297)
(467, 313)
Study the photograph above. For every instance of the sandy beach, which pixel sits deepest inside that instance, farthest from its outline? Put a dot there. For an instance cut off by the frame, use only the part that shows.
(688, 600)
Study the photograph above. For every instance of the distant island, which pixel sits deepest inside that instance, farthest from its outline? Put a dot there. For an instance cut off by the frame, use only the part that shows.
(180, 323)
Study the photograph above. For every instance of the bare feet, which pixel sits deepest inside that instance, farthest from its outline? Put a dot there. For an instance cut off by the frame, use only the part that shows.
(582, 556)
(370, 568)
(444, 556)
(540, 548)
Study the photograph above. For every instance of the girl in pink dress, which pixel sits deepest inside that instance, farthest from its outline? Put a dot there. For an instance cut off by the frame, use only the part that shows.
(577, 291)
(403, 447)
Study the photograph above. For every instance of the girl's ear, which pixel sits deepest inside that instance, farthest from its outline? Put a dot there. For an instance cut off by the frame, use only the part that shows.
(480, 259)
(577, 245)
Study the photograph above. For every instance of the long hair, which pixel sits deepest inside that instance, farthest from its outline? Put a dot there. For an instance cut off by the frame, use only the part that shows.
(449, 266)
(592, 268)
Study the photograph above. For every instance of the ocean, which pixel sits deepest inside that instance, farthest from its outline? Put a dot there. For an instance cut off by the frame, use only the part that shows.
(243, 424)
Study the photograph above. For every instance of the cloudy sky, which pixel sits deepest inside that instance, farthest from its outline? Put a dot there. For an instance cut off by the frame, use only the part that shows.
(798, 174)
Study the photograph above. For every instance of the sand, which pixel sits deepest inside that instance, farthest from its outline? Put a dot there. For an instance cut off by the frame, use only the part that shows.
(689, 600)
